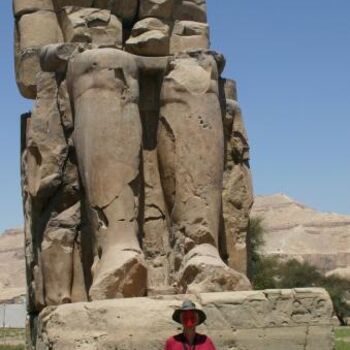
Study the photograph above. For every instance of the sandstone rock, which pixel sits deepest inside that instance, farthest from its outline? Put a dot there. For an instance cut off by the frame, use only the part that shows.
(55, 57)
(112, 192)
(59, 4)
(57, 254)
(341, 272)
(156, 8)
(27, 66)
(91, 25)
(149, 37)
(237, 192)
(123, 156)
(190, 10)
(125, 9)
(203, 271)
(31, 24)
(21, 7)
(289, 319)
(50, 182)
(190, 116)
(122, 274)
(188, 35)
(29, 38)
(293, 230)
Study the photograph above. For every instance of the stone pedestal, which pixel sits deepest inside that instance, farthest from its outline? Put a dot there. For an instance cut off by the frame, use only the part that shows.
(296, 319)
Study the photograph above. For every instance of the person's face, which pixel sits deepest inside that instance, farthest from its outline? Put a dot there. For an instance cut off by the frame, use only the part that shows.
(189, 319)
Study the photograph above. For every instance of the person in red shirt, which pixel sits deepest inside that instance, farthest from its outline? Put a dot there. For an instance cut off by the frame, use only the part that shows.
(190, 317)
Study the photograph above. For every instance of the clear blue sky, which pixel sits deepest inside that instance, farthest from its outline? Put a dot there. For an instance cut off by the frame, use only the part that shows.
(291, 59)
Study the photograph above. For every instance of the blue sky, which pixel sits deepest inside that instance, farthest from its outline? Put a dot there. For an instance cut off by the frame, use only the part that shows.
(291, 60)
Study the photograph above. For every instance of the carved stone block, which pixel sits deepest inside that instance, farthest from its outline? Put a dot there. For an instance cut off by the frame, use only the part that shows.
(189, 35)
(91, 25)
(156, 8)
(21, 7)
(149, 37)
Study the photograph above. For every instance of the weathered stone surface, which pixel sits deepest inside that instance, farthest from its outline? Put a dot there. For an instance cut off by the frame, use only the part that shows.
(202, 270)
(190, 10)
(237, 185)
(191, 156)
(29, 38)
(27, 66)
(59, 4)
(31, 24)
(113, 191)
(55, 57)
(294, 231)
(123, 157)
(288, 319)
(149, 37)
(125, 9)
(91, 25)
(156, 8)
(20, 7)
(189, 35)
(51, 199)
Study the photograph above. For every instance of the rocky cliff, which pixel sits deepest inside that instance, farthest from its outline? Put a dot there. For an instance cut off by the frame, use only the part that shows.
(296, 231)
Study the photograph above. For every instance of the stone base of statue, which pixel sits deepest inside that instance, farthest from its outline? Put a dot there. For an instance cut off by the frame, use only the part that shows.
(271, 319)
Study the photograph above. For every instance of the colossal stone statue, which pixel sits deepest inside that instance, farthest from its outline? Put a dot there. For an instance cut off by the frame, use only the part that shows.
(135, 159)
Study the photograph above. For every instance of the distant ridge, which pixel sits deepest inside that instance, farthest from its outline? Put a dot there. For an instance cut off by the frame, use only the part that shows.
(12, 266)
(295, 231)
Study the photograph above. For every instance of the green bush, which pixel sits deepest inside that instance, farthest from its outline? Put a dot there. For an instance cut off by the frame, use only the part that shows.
(270, 272)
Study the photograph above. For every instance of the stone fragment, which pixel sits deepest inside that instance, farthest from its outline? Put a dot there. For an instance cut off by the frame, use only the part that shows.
(235, 320)
(54, 57)
(57, 254)
(21, 7)
(149, 37)
(29, 38)
(124, 9)
(45, 158)
(190, 10)
(237, 190)
(91, 25)
(50, 182)
(203, 270)
(188, 35)
(162, 9)
(27, 66)
(38, 29)
(122, 274)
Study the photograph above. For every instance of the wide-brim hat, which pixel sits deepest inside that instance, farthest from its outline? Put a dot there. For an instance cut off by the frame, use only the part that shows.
(188, 305)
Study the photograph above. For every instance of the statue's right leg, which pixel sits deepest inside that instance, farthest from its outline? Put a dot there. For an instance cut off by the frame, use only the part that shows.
(191, 153)
(104, 92)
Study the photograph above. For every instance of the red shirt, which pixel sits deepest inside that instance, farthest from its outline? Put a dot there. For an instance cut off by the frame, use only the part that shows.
(179, 342)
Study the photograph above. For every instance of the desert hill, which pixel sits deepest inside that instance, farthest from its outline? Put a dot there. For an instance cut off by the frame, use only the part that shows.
(12, 266)
(296, 231)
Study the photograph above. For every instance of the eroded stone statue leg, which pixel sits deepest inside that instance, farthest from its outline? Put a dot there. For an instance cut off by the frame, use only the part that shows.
(104, 91)
(191, 153)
